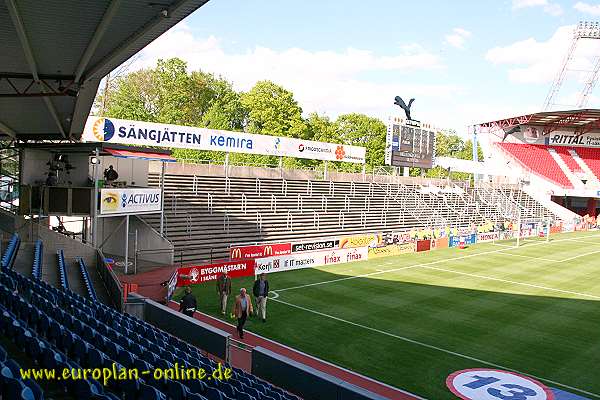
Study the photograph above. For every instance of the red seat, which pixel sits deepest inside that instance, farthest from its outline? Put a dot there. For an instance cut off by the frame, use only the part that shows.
(591, 157)
(538, 159)
(567, 158)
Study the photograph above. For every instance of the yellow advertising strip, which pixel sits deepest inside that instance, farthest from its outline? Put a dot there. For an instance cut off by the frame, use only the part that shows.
(392, 250)
(349, 242)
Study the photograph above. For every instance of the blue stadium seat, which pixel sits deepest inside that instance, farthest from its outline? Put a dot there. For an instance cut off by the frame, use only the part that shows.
(176, 390)
(148, 392)
(3, 354)
(196, 396)
(38, 393)
(213, 394)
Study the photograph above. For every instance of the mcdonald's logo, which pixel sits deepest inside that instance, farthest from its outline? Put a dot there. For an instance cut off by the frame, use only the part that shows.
(268, 251)
(236, 253)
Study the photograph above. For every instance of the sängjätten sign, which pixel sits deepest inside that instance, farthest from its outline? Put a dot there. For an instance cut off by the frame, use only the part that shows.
(137, 133)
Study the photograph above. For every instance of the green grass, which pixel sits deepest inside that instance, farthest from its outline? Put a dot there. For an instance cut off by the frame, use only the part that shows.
(485, 304)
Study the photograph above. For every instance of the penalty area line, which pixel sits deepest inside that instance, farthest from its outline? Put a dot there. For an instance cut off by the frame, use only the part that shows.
(433, 347)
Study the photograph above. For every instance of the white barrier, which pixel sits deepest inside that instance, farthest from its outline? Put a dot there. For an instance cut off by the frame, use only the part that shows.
(309, 259)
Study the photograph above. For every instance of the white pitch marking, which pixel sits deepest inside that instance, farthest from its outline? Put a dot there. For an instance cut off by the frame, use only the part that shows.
(580, 255)
(430, 346)
(591, 296)
(531, 257)
(413, 266)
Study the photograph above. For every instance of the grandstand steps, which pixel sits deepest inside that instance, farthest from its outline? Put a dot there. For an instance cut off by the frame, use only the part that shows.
(562, 159)
(589, 174)
(204, 215)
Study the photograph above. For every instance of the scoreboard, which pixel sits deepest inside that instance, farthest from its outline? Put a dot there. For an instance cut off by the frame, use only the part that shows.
(409, 144)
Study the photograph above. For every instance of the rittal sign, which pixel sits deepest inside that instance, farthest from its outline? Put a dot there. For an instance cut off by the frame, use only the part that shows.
(138, 133)
(115, 201)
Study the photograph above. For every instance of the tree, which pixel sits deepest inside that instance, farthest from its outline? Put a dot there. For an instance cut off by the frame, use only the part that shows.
(272, 110)
(362, 130)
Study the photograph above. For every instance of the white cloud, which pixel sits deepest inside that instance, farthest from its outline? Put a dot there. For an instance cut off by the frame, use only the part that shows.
(587, 8)
(458, 37)
(536, 61)
(331, 82)
(548, 7)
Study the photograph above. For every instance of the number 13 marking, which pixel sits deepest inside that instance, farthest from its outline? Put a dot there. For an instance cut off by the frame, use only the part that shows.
(516, 392)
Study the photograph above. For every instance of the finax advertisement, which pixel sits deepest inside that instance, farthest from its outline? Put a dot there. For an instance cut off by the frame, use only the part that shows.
(115, 201)
(311, 259)
(138, 133)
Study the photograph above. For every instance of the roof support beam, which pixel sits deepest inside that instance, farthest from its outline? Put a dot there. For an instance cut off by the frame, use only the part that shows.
(167, 17)
(7, 130)
(98, 34)
(21, 33)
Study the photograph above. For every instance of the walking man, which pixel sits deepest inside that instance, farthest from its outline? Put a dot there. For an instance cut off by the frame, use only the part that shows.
(242, 309)
(224, 290)
(188, 303)
(261, 292)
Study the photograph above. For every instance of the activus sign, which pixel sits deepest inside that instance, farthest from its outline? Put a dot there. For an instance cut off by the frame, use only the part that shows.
(114, 201)
(112, 130)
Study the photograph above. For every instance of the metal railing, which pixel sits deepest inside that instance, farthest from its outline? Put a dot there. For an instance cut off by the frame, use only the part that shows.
(341, 219)
(316, 221)
(273, 203)
(244, 206)
(309, 188)
(300, 202)
(259, 221)
(284, 187)
(209, 202)
(257, 186)
(290, 221)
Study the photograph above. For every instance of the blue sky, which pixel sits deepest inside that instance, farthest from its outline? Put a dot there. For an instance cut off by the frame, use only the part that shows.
(464, 61)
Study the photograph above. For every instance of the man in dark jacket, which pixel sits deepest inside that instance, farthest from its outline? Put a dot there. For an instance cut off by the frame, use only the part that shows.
(188, 303)
(224, 290)
(261, 292)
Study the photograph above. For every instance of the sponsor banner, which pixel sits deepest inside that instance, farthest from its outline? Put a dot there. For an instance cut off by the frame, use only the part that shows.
(490, 384)
(401, 237)
(468, 239)
(423, 245)
(115, 201)
(259, 251)
(308, 260)
(392, 250)
(204, 273)
(138, 133)
(486, 237)
(506, 235)
(315, 246)
(370, 240)
(440, 243)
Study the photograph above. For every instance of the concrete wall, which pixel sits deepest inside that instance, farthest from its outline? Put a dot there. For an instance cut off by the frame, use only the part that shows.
(290, 174)
(199, 334)
(148, 238)
(303, 380)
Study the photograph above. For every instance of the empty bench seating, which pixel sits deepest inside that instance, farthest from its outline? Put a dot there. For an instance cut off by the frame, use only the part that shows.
(59, 329)
(62, 269)
(36, 270)
(86, 279)
(538, 159)
(8, 258)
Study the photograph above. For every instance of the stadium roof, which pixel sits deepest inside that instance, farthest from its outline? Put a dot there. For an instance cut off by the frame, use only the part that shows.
(53, 55)
(580, 121)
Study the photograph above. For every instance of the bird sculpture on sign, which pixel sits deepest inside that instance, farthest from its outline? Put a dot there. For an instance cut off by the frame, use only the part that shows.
(400, 103)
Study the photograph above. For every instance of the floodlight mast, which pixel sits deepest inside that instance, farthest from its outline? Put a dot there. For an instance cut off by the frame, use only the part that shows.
(583, 30)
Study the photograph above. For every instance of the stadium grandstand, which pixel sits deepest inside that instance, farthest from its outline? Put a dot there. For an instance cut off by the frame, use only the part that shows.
(383, 285)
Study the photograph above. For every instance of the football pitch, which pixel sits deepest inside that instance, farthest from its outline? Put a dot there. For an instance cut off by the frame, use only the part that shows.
(412, 320)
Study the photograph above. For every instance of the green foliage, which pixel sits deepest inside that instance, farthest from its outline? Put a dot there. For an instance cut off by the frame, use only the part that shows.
(169, 93)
